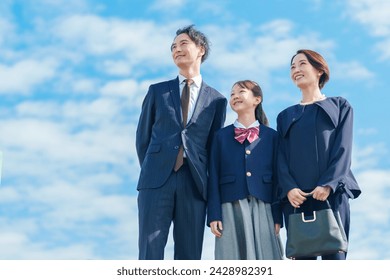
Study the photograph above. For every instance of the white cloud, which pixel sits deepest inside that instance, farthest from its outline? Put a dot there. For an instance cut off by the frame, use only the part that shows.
(59, 213)
(379, 181)
(84, 85)
(72, 204)
(40, 109)
(120, 88)
(352, 70)
(45, 9)
(370, 216)
(6, 28)
(138, 41)
(24, 75)
(374, 14)
(367, 131)
(16, 245)
(120, 68)
(384, 48)
(368, 157)
(9, 194)
(278, 27)
(71, 139)
(239, 54)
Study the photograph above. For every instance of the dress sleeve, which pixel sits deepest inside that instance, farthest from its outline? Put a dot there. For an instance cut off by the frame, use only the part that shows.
(340, 151)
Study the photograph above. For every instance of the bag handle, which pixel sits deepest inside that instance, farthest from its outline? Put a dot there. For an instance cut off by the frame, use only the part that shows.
(309, 220)
(314, 211)
(327, 201)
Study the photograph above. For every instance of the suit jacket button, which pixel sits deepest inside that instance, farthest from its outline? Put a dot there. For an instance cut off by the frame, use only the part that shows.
(248, 174)
(248, 152)
(176, 147)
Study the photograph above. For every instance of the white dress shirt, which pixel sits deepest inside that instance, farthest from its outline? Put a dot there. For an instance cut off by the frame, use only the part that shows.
(194, 92)
(240, 125)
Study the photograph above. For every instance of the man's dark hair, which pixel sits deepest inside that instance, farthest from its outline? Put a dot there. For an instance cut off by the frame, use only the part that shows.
(197, 37)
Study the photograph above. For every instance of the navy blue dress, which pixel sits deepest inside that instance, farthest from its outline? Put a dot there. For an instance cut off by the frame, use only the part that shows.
(315, 150)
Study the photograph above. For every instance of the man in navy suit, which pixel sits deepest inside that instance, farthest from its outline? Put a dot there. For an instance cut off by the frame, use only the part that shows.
(173, 189)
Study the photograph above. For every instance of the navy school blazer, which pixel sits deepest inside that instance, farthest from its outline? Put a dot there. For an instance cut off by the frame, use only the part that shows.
(239, 170)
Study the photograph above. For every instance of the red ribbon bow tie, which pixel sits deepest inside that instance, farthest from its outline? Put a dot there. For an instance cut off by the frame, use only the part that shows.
(251, 134)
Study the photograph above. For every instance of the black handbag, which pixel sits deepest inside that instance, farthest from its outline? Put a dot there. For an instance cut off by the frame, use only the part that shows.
(316, 235)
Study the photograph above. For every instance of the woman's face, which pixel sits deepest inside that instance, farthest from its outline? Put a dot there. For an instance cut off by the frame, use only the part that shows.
(302, 73)
(243, 100)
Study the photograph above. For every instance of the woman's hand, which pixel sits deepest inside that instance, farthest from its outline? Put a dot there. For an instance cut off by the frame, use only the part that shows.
(321, 192)
(296, 197)
(216, 228)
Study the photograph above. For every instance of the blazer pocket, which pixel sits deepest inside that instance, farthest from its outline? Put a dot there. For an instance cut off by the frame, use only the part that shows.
(267, 178)
(227, 179)
(155, 148)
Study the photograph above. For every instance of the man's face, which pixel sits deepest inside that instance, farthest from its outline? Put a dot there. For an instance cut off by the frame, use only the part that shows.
(185, 53)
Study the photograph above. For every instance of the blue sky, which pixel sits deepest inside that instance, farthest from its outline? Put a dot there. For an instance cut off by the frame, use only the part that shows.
(73, 74)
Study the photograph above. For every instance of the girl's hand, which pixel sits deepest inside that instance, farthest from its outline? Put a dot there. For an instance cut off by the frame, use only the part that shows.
(216, 228)
(277, 229)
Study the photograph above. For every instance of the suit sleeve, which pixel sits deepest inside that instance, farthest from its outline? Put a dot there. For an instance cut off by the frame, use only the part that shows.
(276, 200)
(145, 124)
(219, 120)
(214, 208)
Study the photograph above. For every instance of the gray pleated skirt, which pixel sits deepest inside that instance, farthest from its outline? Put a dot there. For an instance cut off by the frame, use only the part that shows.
(248, 232)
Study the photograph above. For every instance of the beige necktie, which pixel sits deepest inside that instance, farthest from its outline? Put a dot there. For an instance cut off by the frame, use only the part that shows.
(185, 102)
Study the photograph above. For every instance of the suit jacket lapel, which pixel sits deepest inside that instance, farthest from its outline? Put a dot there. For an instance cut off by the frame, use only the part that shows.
(175, 94)
(203, 98)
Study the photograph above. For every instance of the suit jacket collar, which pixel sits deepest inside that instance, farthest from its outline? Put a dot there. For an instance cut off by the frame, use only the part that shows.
(203, 100)
(197, 80)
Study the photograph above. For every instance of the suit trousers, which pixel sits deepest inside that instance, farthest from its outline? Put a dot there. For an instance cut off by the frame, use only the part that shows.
(177, 202)
(339, 201)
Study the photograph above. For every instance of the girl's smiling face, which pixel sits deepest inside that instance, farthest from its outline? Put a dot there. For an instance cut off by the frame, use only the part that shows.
(243, 100)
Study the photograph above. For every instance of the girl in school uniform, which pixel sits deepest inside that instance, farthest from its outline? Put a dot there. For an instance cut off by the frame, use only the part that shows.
(243, 210)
